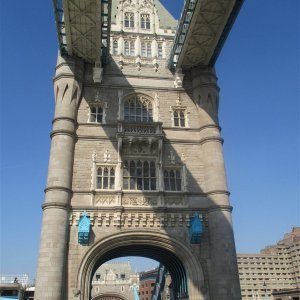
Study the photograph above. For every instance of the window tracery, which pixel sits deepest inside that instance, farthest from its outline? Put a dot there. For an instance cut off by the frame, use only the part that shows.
(145, 21)
(172, 180)
(105, 177)
(129, 20)
(138, 109)
(139, 175)
(129, 48)
(115, 47)
(179, 117)
(159, 50)
(146, 50)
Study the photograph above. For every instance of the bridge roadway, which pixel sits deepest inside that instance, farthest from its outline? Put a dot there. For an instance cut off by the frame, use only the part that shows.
(83, 28)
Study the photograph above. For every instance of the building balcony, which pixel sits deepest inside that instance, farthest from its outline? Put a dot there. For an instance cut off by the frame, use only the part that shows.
(140, 138)
(136, 129)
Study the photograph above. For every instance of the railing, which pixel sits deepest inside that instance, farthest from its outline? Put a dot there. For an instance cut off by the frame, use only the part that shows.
(181, 32)
(140, 129)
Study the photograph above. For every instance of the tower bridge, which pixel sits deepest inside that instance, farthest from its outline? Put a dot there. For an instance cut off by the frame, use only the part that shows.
(83, 29)
(136, 163)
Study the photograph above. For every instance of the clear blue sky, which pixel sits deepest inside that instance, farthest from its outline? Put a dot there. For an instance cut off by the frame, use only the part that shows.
(258, 72)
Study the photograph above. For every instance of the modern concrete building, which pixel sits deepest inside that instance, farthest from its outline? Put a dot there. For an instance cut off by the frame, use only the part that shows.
(136, 164)
(113, 281)
(274, 269)
(289, 294)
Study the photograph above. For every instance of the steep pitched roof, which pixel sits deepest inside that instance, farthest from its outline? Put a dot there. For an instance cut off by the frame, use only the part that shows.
(166, 20)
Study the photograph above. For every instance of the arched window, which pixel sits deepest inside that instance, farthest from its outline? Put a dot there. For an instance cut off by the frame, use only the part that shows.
(129, 20)
(145, 21)
(159, 50)
(96, 114)
(139, 175)
(138, 109)
(115, 47)
(129, 48)
(106, 178)
(146, 49)
(179, 117)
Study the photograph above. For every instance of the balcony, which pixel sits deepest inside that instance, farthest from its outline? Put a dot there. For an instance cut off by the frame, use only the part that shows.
(140, 138)
(133, 130)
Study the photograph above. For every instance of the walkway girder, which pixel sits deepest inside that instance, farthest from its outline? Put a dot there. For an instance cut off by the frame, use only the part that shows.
(201, 32)
(83, 28)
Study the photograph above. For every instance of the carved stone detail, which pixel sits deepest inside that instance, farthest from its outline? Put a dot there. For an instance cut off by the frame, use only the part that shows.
(105, 200)
(174, 201)
(138, 219)
(139, 201)
(140, 148)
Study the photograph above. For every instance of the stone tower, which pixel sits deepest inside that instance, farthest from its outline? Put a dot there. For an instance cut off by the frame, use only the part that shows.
(138, 159)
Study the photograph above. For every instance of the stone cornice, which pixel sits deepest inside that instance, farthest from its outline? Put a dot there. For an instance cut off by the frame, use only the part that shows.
(221, 192)
(211, 139)
(215, 208)
(58, 188)
(64, 119)
(63, 132)
(55, 205)
(114, 125)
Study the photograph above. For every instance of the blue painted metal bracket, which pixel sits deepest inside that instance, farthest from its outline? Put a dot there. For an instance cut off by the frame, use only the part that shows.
(181, 32)
(196, 229)
(84, 226)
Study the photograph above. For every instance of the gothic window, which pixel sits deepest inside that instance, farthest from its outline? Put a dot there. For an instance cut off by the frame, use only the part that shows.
(115, 47)
(106, 178)
(129, 20)
(172, 180)
(179, 117)
(139, 175)
(146, 49)
(159, 50)
(145, 21)
(129, 48)
(138, 109)
(96, 114)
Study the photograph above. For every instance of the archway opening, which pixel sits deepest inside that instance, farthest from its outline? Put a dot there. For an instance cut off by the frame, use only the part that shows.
(168, 266)
(184, 269)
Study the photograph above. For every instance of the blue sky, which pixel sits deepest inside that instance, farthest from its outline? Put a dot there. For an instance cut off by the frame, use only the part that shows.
(259, 74)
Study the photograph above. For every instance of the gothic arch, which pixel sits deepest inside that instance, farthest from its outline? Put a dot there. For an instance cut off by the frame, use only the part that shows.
(144, 99)
(163, 248)
(109, 296)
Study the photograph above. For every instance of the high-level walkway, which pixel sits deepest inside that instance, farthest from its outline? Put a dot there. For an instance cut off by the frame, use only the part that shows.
(83, 29)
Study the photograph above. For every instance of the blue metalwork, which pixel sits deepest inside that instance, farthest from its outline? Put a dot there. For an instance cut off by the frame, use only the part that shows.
(105, 30)
(135, 293)
(233, 15)
(60, 26)
(183, 26)
(181, 32)
(196, 229)
(84, 229)
(159, 283)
